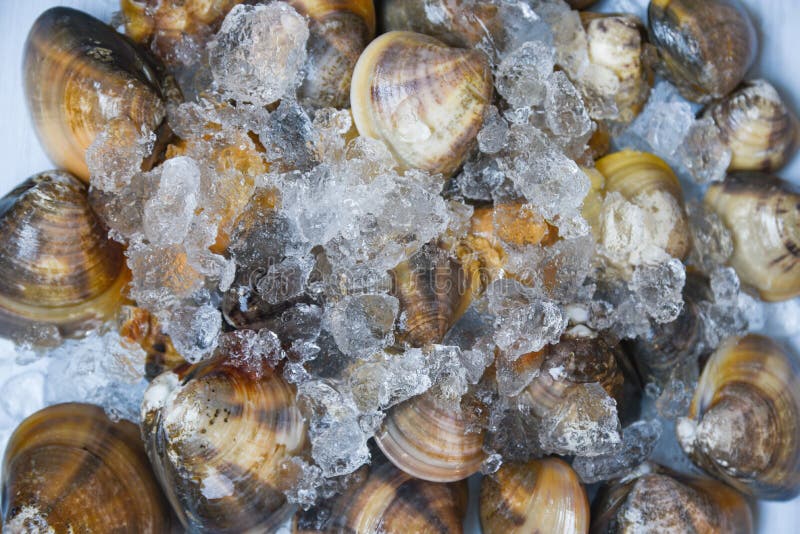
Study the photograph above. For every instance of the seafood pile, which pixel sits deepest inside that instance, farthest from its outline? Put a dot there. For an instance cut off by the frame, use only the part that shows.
(309, 266)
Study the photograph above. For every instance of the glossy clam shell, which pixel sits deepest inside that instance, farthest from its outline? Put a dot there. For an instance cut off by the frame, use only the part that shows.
(428, 438)
(658, 501)
(762, 213)
(433, 290)
(340, 30)
(70, 466)
(79, 74)
(743, 424)
(167, 21)
(216, 435)
(390, 500)
(57, 265)
(706, 47)
(455, 22)
(632, 174)
(760, 131)
(424, 99)
(538, 496)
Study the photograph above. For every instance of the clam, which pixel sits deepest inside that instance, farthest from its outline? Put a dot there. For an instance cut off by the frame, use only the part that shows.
(430, 438)
(705, 47)
(649, 183)
(69, 468)
(538, 496)
(340, 30)
(424, 99)
(217, 433)
(657, 501)
(757, 127)
(57, 265)
(80, 74)
(433, 291)
(456, 22)
(762, 213)
(137, 325)
(743, 424)
(390, 500)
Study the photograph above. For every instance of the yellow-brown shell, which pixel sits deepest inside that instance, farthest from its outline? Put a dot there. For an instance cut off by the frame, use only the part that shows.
(424, 99)
(57, 265)
(455, 22)
(762, 213)
(743, 424)
(433, 291)
(706, 47)
(69, 468)
(216, 434)
(390, 500)
(79, 74)
(137, 325)
(647, 181)
(429, 438)
(657, 501)
(755, 124)
(538, 496)
(340, 30)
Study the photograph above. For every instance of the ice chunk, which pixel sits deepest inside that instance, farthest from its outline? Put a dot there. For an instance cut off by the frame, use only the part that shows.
(659, 289)
(703, 153)
(259, 52)
(194, 329)
(522, 76)
(116, 154)
(494, 133)
(564, 110)
(638, 442)
(286, 280)
(362, 324)
(168, 213)
(712, 243)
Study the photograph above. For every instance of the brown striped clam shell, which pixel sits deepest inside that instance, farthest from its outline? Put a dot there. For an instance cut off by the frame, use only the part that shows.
(339, 32)
(706, 47)
(217, 434)
(543, 495)
(743, 425)
(69, 468)
(390, 500)
(755, 124)
(57, 265)
(762, 212)
(429, 438)
(80, 74)
(424, 99)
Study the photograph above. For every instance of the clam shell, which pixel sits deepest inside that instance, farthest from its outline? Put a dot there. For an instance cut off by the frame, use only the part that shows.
(757, 127)
(762, 213)
(429, 438)
(69, 468)
(79, 74)
(424, 99)
(743, 424)
(538, 496)
(455, 22)
(706, 47)
(57, 265)
(217, 435)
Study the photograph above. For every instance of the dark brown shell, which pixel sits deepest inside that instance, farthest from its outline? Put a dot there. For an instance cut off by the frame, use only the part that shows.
(137, 325)
(670, 503)
(743, 424)
(68, 467)
(57, 264)
(538, 496)
(217, 435)
(580, 4)
(79, 74)
(389, 500)
(706, 47)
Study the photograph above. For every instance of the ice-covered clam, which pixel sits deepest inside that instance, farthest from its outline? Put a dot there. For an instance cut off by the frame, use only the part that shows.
(762, 213)
(340, 30)
(657, 501)
(57, 265)
(217, 433)
(538, 496)
(755, 124)
(705, 47)
(456, 22)
(80, 74)
(743, 424)
(430, 438)
(389, 500)
(424, 99)
(69, 468)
